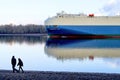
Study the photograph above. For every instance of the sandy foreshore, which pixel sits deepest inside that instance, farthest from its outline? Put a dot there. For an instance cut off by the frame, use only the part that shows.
(41, 75)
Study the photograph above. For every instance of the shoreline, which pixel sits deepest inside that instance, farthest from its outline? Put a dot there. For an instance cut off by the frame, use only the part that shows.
(49, 75)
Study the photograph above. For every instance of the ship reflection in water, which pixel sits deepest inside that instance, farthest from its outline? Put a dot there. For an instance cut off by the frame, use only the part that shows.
(82, 49)
(86, 55)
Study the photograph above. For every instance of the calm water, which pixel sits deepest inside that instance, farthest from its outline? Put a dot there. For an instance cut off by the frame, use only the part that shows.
(43, 54)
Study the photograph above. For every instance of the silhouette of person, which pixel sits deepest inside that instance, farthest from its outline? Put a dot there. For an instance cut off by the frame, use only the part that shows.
(20, 64)
(13, 62)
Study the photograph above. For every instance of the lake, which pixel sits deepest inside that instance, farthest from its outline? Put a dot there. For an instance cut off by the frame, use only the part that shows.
(40, 53)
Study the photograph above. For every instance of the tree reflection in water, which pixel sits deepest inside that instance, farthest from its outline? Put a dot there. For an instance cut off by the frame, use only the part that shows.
(21, 39)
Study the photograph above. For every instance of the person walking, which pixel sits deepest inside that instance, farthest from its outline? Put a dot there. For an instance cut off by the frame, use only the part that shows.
(13, 62)
(20, 64)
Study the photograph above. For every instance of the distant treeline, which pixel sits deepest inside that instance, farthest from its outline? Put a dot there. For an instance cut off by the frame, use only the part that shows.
(22, 29)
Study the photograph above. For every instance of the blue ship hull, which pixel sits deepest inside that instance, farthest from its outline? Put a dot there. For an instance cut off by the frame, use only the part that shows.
(84, 30)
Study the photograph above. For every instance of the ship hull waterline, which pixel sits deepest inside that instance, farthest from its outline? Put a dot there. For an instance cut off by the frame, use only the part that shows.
(82, 31)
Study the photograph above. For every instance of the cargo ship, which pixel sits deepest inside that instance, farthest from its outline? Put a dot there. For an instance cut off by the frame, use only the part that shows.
(81, 25)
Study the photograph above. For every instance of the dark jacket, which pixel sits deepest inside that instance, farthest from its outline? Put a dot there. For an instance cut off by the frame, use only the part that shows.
(20, 63)
(13, 61)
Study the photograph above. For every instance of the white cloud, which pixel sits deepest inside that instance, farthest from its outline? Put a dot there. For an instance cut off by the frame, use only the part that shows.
(112, 2)
(112, 8)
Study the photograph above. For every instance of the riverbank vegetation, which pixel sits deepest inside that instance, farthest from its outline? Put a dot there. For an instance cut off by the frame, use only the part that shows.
(22, 29)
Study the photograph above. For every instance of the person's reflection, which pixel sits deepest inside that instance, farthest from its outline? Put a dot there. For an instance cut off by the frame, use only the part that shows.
(13, 62)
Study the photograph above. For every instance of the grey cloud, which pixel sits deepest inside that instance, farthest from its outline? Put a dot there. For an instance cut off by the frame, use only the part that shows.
(112, 8)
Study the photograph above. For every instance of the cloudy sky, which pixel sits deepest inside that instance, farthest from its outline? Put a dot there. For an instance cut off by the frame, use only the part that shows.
(112, 7)
(36, 11)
